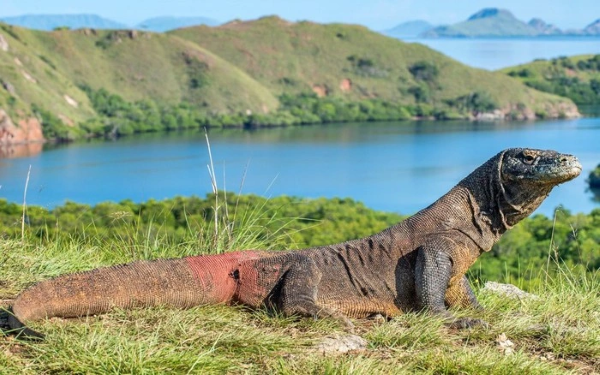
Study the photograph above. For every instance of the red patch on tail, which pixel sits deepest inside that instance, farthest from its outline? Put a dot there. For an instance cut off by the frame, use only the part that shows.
(216, 273)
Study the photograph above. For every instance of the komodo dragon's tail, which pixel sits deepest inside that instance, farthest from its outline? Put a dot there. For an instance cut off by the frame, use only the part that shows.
(180, 283)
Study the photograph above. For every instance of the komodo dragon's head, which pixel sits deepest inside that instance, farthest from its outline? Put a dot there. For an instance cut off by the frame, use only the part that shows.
(526, 178)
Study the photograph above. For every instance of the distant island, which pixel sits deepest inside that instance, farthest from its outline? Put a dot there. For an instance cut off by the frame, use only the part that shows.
(49, 22)
(409, 29)
(489, 23)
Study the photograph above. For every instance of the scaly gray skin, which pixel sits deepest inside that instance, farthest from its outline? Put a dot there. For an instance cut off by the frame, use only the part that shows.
(417, 264)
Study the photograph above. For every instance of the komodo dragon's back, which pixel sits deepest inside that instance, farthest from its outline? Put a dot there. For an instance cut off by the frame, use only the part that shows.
(419, 263)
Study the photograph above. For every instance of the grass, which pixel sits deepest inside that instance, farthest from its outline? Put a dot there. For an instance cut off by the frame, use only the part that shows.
(557, 333)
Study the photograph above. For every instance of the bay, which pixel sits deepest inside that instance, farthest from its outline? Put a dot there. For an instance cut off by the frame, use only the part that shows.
(394, 166)
(497, 53)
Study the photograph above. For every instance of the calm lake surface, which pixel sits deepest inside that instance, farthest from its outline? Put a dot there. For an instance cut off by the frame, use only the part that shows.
(400, 167)
(492, 54)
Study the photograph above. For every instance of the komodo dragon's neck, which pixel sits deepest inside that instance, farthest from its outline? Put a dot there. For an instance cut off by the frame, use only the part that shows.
(480, 206)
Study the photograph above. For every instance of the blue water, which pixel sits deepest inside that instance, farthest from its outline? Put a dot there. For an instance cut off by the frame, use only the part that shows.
(492, 54)
(400, 167)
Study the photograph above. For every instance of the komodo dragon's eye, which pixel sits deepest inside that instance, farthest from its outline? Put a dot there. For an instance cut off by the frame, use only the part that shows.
(527, 157)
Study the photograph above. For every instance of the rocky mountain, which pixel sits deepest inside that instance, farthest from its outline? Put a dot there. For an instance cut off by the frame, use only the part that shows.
(593, 28)
(489, 22)
(496, 22)
(543, 28)
(50, 22)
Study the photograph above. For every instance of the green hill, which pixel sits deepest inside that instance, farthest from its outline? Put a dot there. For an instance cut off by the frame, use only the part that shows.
(353, 62)
(263, 72)
(576, 77)
(487, 22)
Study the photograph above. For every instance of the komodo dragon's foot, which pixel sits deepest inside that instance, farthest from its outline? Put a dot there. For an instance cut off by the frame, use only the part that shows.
(16, 328)
(4, 320)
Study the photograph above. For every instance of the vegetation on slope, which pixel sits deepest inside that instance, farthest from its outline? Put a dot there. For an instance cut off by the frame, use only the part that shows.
(555, 333)
(243, 69)
(577, 77)
(352, 62)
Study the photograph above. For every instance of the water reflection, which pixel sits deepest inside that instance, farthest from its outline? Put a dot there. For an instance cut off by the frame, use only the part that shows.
(20, 150)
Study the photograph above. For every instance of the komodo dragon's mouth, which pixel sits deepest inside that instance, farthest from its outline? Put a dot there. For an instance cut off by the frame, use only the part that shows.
(570, 167)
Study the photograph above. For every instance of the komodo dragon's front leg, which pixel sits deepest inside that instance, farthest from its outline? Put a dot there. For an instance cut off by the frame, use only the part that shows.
(434, 272)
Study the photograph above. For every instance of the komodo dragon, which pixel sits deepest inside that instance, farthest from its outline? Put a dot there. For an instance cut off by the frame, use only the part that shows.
(419, 263)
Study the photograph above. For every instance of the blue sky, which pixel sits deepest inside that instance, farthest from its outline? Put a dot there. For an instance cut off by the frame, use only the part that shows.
(376, 14)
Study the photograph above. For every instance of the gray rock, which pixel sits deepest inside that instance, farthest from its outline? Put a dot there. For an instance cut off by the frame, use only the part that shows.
(3, 44)
(9, 87)
(340, 344)
(507, 290)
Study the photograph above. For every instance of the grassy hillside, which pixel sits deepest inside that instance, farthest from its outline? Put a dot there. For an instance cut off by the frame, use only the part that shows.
(296, 57)
(268, 68)
(139, 65)
(576, 77)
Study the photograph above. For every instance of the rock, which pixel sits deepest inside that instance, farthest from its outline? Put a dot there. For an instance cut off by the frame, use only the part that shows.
(564, 110)
(28, 131)
(340, 344)
(507, 290)
(505, 344)
(9, 87)
(320, 90)
(346, 85)
(87, 31)
(71, 101)
(66, 120)
(28, 77)
(3, 43)
(490, 116)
